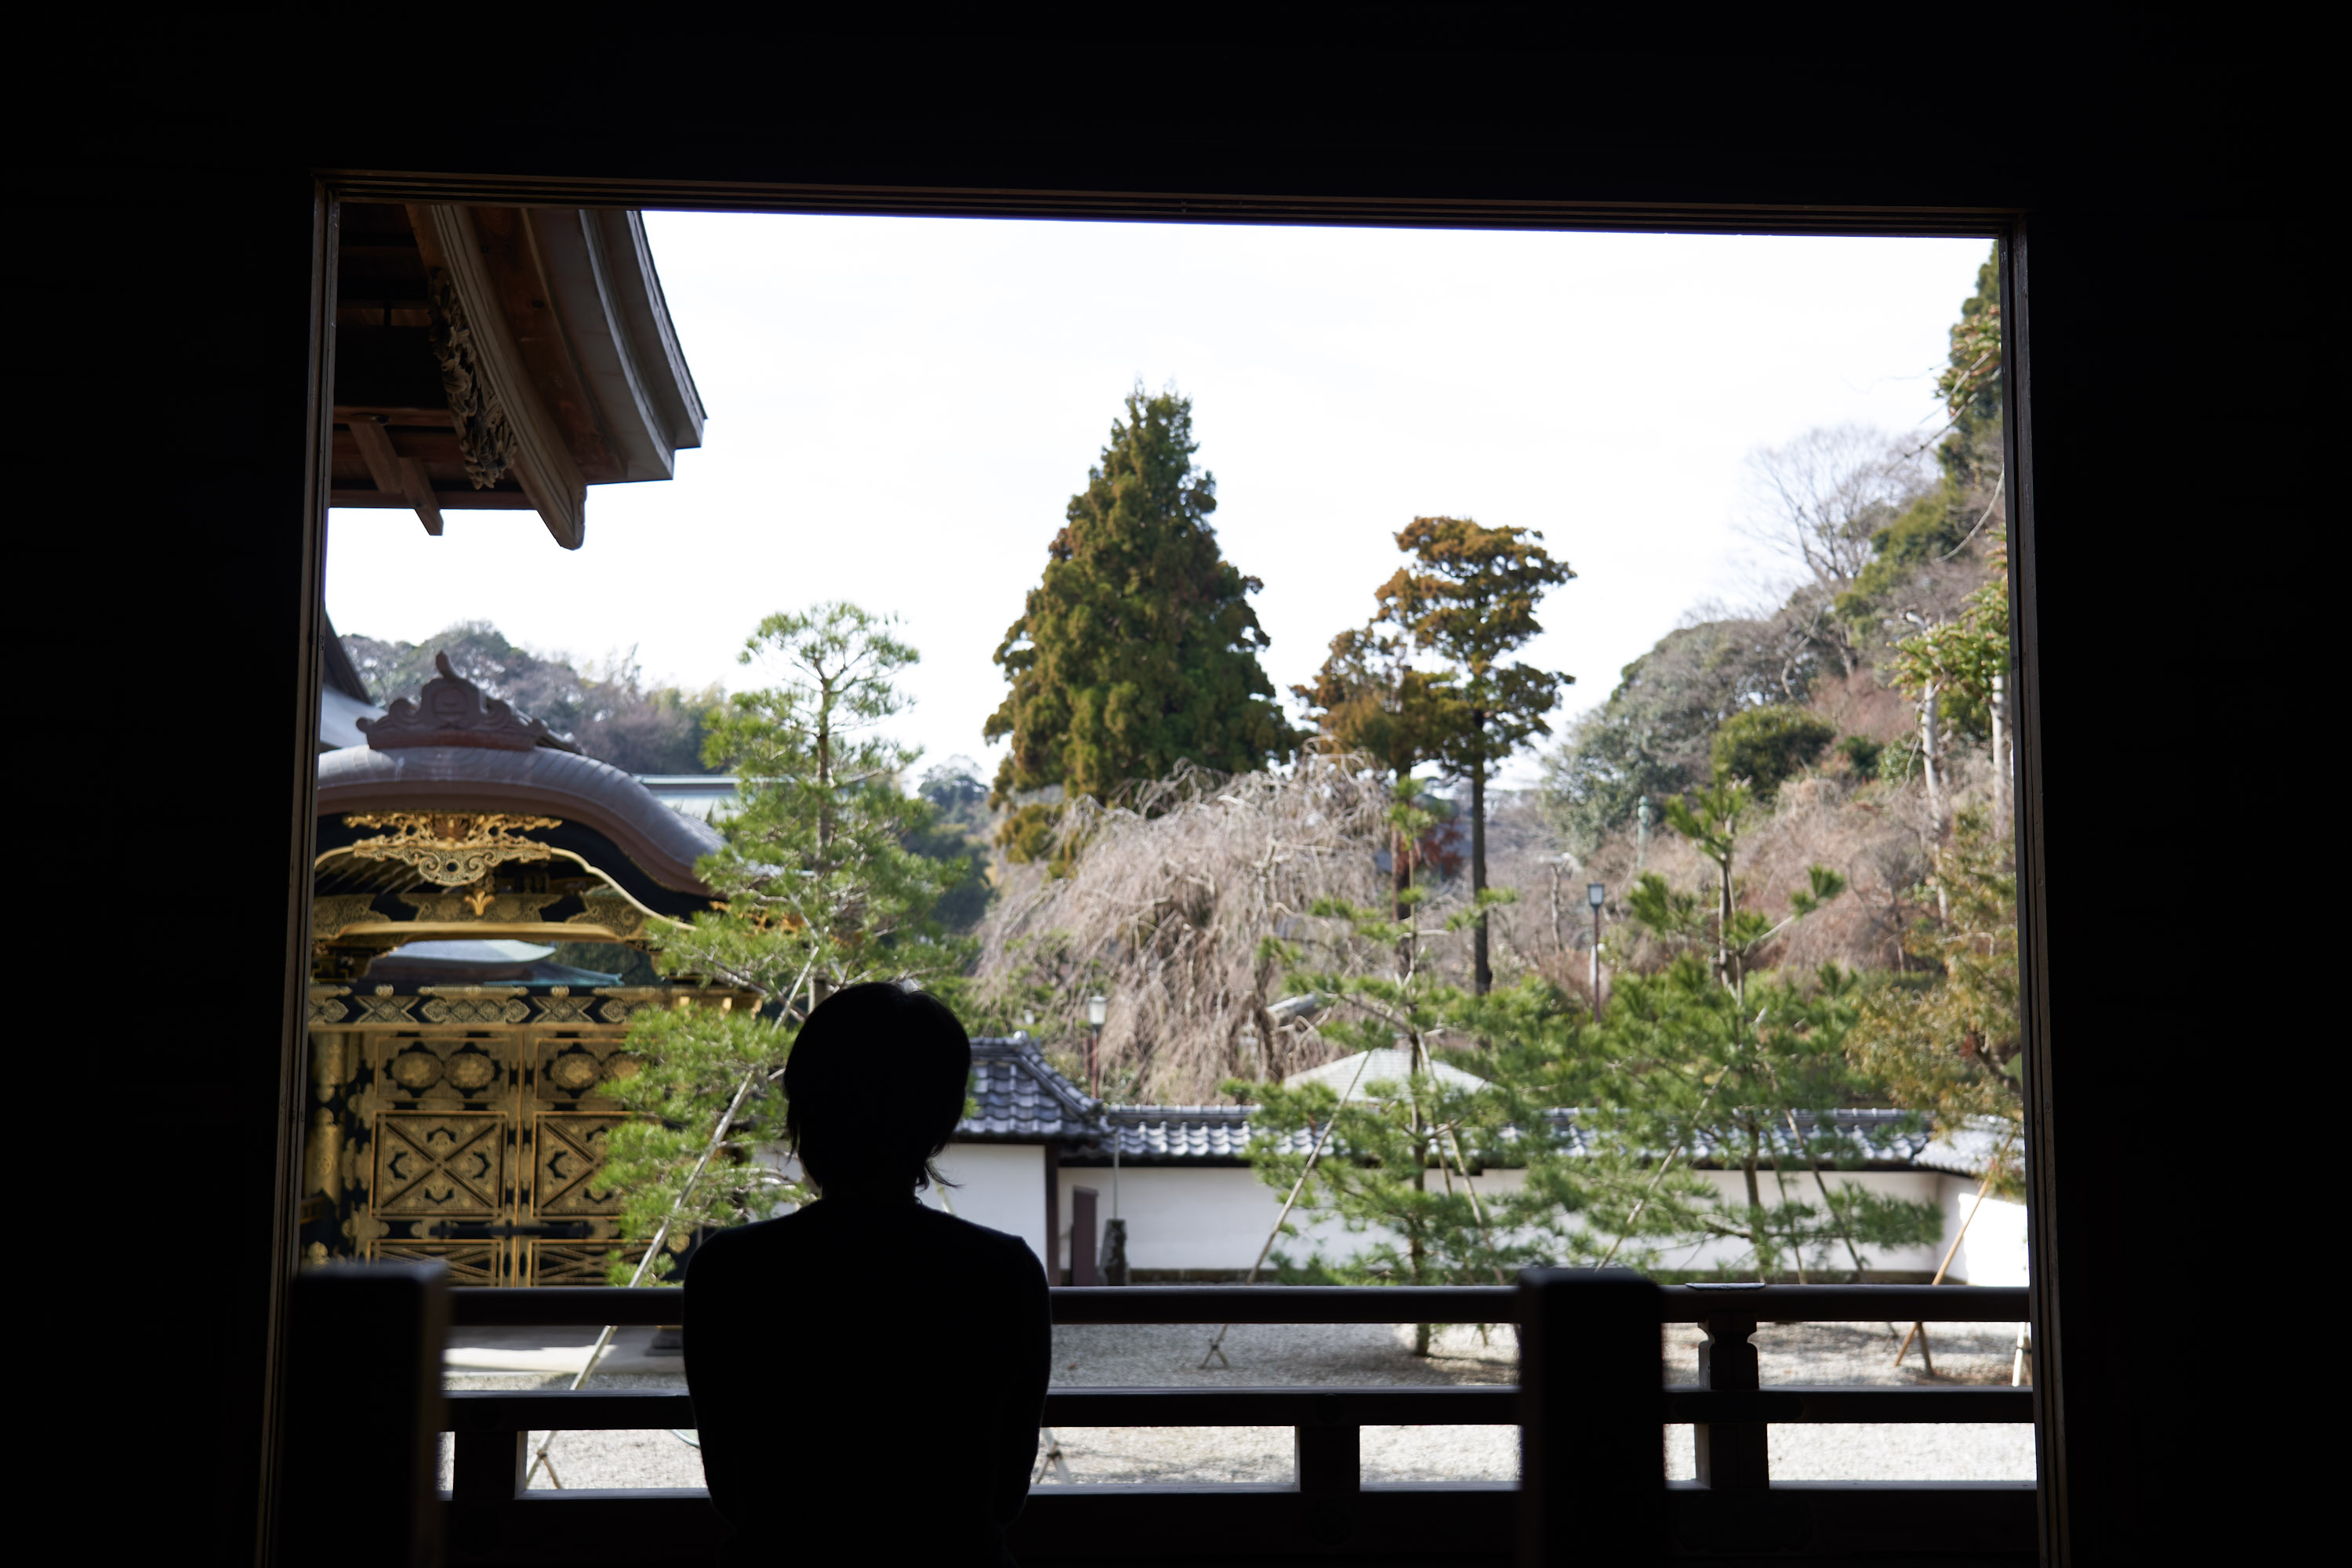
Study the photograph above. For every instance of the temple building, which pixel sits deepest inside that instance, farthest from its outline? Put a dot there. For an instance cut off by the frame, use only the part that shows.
(457, 1071)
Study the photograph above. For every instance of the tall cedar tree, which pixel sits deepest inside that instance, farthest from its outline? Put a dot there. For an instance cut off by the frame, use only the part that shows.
(818, 888)
(1368, 700)
(1470, 597)
(1138, 650)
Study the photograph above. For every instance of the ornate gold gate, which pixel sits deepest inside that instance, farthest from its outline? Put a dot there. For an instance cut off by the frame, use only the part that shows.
(468, 1123)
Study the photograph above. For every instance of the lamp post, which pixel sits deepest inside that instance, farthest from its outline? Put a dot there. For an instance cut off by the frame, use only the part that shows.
(1097, 1011)
(1593, 893)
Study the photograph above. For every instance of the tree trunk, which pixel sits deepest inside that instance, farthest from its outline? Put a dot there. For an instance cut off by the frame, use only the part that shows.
(1927, 760)
(1413, 1247)
(1723, 970)
(2000, 753)
(1482, 976)
(1401, 848)
(1754, 1209)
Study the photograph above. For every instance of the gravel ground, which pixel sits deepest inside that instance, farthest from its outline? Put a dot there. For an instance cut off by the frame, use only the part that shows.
(1335, 1354)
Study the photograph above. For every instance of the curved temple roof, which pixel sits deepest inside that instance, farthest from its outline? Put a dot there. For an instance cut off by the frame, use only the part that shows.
(597, 795)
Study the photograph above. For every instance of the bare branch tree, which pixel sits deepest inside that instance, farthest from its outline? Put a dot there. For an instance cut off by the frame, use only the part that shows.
(1816, 500)
(1165, 908)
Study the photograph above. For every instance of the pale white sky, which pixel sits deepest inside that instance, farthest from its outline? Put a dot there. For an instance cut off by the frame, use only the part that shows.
(900, 409)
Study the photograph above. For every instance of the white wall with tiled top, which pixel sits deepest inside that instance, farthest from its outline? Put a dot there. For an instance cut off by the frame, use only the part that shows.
(1217, 1218)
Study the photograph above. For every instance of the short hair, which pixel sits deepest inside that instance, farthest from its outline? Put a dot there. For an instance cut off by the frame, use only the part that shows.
(875, 1086)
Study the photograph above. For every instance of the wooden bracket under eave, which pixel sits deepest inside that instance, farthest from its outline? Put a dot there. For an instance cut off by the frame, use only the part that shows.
(393, 474)
(419, 489)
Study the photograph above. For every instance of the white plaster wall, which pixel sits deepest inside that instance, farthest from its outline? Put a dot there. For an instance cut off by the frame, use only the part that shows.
(1000, 1185)
(1993, 1250)
(1217, 1217)
(1731, 1188)
(1212, 1217)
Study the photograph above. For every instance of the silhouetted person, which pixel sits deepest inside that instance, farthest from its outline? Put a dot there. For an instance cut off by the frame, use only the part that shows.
(868, 1374)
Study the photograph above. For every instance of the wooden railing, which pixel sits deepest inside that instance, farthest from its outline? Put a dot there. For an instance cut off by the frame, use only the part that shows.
(1591, 1415)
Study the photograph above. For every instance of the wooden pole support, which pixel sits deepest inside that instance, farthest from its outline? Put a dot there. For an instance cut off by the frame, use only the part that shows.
(1592, 1407)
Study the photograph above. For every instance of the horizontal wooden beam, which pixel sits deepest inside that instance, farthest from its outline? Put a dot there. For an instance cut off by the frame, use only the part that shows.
(395, 415)
(595, 1305)
(1953, 1524)
(541, 1410)
(1172, 206)
(445, 500)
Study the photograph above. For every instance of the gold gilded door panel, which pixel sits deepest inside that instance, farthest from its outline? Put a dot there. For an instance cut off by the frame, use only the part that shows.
(468, 1262)
(437, 1164)
(443, 1164)
(579, 1262)
(483, 1147)
(568, 1157)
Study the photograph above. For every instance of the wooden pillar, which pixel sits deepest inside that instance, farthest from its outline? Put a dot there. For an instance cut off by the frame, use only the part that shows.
(1053, 1258)
(1733, 1455)
(1592, 1414)
(365, 1417)
(1082, 1236)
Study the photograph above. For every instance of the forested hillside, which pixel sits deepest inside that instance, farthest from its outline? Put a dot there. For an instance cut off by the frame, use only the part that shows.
(1823, 699)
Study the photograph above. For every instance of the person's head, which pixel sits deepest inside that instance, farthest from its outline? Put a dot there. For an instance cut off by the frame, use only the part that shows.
(874, 1089)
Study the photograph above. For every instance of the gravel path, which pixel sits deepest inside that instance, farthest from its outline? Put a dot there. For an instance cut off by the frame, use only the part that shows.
(1294, 1356)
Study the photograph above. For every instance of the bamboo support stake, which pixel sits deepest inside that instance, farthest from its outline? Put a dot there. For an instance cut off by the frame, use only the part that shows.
(1462, 1165)
(1827, 1202)
(1919, 1329)
(1661, 1176)
(1216, 1345)
(653, 1248)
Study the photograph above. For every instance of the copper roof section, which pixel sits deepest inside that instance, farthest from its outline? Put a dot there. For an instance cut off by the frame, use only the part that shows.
(471, 777)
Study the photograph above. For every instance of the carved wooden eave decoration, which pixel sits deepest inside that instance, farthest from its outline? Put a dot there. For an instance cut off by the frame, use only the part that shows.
(450, 711)
(503, 359)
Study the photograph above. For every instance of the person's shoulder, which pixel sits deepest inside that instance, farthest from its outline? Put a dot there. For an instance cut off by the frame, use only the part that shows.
(737, 1242)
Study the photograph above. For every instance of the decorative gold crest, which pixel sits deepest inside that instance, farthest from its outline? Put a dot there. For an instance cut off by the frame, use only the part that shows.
(451, 849)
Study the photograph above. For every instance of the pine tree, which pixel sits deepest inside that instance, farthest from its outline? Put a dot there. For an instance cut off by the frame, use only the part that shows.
(817, 888)
(1471, 597)
(1368, 700)
(1683, 1069)
(1139, 649)
(1392, 1157)
(1710, 1053)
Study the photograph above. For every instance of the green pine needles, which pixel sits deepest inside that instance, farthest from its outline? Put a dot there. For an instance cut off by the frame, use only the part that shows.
(817, 888)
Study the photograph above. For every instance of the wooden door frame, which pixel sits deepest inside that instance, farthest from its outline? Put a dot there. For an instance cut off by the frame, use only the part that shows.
(2005, 227)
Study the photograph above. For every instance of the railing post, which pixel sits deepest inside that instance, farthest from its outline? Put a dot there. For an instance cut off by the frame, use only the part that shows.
(487, 1465)
(1330, 1453)
(363, 1416)
(1733, 1455)
(1592, 1407)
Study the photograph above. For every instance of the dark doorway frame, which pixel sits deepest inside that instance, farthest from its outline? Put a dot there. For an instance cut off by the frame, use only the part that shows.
(2006, 226)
